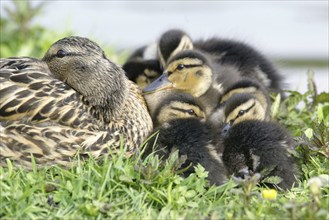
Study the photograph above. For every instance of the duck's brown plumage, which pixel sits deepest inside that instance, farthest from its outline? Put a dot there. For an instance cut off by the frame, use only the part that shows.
(94, 109)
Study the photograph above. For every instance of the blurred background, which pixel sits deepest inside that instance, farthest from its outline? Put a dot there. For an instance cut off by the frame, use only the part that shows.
(293, 34)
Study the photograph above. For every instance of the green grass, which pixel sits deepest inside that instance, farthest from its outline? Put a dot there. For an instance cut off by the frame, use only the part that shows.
(125, 188)
(135, 188)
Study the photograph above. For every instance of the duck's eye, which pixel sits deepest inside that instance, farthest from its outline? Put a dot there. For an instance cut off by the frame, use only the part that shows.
(61, 54)
(180, 67)
(191, 112)
(241, 112)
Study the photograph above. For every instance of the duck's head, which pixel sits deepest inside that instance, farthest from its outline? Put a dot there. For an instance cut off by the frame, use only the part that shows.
(177, 106)
(242, 107)
(82, 64)
(172, 42)
(247, 86)
(142, 72)
(188, 71)
(242, 86)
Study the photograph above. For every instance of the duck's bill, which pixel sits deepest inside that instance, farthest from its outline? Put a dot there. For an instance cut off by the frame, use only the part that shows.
(160, 83)
(226, 128)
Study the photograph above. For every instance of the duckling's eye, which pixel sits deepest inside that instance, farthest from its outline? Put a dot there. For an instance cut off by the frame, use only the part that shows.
(191, 112)
(180, 67)
(61, 54)
(241, 112)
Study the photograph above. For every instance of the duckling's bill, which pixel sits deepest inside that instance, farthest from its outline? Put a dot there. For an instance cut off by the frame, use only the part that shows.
(160, 83)
(226, 128)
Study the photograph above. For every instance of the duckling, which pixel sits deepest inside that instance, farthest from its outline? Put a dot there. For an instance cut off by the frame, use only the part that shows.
(172, 42)
(154, 100)
(193, 72)
(248, 86)
(73, 101)
(147, 62)
(176, 105)
(242, 86)
(181, 126)
(250, 62)
(143, 66)
(142, 72)
(252, 144)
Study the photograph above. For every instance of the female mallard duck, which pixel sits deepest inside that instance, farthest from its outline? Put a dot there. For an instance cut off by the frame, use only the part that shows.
(181, 127)
(73, 101)
(193, 72)
(250, 62)
(143, 66)
(252, 144)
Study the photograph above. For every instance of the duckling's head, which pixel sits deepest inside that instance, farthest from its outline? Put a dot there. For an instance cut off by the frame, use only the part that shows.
(241, 86)
(142, 72)
(189, 71)
(177, 106)
(242, 107)
(172, 42)
(82, 64)
(247, 86)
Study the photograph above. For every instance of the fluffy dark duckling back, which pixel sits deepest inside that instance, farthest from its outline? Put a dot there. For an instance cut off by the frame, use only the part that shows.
(252, 63)
(193, 139)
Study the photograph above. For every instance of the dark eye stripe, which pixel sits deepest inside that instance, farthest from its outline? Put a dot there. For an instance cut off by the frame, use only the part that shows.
(192, 65)
(178, 109)
(169, 73)
(185, 66)
(182, 110)
(250, 107)
(245, 111)
(68, 54)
